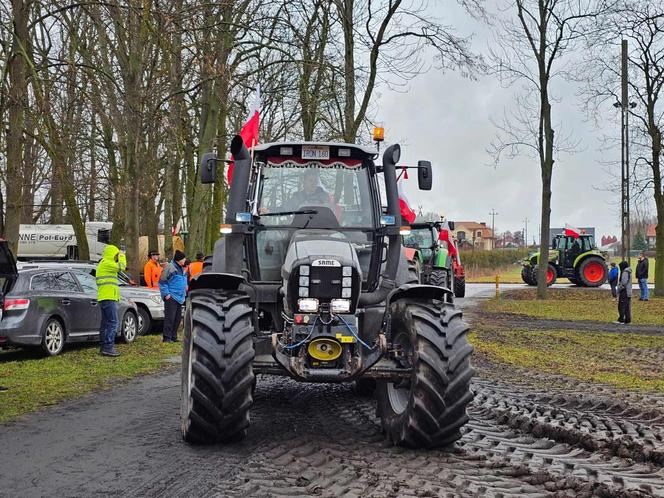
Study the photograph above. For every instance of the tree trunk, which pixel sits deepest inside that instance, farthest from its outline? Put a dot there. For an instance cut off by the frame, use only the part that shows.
(17, 97)
(349, 70)
(547, 173)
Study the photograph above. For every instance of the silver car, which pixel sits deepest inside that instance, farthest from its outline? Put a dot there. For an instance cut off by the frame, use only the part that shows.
(149, 304)
(50, 307)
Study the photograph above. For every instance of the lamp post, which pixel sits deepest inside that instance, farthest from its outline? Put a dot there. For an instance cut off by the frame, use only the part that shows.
(493, 228)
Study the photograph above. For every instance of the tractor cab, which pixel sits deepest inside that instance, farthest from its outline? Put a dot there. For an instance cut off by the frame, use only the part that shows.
(571, 248)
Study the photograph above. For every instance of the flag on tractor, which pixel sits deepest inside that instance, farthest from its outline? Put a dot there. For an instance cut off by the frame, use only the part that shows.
(404, 205)
(249, 131)
(445, 235)
(572, 231)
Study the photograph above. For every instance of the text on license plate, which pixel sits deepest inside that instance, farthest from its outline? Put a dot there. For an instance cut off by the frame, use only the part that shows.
(315, 152)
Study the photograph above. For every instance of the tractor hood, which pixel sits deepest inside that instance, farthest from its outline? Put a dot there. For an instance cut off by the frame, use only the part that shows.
(533, 258)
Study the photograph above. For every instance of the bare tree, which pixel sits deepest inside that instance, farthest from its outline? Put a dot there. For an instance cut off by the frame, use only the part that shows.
(531, 45)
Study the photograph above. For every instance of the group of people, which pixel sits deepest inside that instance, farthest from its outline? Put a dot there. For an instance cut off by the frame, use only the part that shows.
(620, 279)
(171, 280)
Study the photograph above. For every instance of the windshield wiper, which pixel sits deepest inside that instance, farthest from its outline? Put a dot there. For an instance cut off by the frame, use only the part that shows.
(286, 213)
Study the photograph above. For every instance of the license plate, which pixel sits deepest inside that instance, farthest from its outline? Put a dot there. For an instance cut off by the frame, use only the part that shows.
(315, 152)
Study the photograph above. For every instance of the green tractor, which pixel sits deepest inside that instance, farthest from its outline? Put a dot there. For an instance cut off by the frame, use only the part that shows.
(432, 261)
(576, 259)
(309, 281)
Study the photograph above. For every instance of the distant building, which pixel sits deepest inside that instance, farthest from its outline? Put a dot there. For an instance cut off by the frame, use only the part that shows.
(555, 231)
(472, 234)
(651, 237)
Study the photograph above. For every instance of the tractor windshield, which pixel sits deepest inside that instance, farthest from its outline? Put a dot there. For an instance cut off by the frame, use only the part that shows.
(338, 192)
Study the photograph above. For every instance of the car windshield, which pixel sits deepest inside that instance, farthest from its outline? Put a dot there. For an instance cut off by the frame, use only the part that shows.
(336, 191)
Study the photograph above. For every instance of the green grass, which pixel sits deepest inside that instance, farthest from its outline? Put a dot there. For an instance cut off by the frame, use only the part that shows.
(34, 381)
(626, 361)
(577, 304)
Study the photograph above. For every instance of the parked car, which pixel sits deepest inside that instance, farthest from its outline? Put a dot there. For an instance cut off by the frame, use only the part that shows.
(148, 301)
(51, 307)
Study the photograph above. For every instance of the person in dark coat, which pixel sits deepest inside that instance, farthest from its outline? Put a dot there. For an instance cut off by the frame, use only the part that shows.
(625, 294)
(642, 276)
(614, 273)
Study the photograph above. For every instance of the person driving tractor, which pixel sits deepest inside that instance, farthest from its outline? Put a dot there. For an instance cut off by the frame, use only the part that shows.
(312, 194)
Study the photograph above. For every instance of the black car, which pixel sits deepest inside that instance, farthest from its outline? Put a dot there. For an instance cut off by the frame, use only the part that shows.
(47, 307)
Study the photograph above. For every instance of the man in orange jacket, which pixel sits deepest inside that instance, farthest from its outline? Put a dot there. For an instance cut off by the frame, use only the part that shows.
(152, 270)
(196, 267)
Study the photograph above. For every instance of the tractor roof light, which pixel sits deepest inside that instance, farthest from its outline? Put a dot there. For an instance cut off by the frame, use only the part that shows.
(378, 133)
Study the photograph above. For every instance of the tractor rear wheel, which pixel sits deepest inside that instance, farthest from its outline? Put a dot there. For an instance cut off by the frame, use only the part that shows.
(460, 286)
(526, 275)
(440, 278)
(592, 272)
(217, 374)
(428, 408)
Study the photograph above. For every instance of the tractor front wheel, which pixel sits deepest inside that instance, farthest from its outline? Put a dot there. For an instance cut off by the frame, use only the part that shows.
(460, 286)
(526, 275)
(592, 272)
(551, 275)
(440, 278)
(217, 374)
(428, 408)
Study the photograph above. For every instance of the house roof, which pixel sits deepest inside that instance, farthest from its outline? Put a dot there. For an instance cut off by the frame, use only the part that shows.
(473, 225)
(650, 232)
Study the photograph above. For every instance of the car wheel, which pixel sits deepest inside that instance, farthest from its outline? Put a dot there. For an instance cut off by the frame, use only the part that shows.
(144, 321)
(53, 337)
(129, 327)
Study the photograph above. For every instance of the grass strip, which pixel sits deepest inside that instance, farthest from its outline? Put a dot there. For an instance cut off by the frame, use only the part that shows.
(33, 381)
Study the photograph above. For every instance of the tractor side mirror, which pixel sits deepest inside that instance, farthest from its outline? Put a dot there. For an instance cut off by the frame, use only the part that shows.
(209, 168)
(451, 225)
(424, 179)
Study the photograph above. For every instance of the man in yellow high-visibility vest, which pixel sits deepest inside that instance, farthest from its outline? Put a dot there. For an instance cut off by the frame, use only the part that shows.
(108, 295)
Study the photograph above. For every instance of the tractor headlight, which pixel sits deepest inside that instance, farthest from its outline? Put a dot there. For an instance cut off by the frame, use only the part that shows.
(308, 305)
(340, 305)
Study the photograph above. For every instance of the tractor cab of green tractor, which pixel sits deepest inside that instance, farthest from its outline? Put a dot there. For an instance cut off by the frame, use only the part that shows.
(308, 280)
(569, 248)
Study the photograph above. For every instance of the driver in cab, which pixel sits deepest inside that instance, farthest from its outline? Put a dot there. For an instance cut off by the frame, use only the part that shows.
(312, 194)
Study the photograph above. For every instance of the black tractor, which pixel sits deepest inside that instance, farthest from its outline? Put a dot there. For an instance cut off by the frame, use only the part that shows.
(308, 280)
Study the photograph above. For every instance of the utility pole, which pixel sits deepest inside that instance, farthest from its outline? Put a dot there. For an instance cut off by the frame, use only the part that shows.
(525, 232)
(493, 228)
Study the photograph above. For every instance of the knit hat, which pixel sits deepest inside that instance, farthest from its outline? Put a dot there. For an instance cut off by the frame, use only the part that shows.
(200, 256)
(179, 255)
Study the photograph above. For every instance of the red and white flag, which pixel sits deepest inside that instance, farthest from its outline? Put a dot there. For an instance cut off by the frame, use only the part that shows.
(404, 205)
(178, 226)
(249, 131)
(572, 232)
(445, 235)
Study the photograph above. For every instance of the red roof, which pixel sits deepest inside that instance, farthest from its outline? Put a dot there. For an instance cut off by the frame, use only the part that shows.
(651, 231)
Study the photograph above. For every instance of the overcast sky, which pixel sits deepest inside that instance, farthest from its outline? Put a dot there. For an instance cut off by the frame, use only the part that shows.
(446, 119)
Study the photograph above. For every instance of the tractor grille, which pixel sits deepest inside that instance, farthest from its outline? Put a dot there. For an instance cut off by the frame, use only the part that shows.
(325, 283)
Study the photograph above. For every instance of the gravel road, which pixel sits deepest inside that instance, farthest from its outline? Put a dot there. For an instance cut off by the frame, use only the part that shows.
(529, 435)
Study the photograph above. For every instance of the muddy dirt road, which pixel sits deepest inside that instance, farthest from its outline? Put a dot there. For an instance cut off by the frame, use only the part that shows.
(528, 436)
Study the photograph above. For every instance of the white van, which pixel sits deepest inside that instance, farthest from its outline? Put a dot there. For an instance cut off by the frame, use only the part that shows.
(59, 241)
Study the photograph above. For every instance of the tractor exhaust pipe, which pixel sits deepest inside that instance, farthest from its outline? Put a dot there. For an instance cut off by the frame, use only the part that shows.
(237, 200)
(388, 282)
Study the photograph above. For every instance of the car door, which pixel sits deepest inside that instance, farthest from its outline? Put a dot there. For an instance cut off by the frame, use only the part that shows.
(53, 291)
(88, 284)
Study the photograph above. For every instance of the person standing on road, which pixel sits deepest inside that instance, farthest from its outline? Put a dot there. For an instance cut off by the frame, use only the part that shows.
(152, 270)
(613, 280)
(642, 276)
(625, 294)
(108, 295)
(196, 267)
(173, 288)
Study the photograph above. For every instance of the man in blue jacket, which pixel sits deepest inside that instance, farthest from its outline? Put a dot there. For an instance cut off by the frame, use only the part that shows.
(613, 280)
(173, 288)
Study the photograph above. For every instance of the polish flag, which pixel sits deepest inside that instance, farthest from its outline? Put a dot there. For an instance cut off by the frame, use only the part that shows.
(249, 131)
(404, 205)
(445, 235)
(178, 226)
(572, 232)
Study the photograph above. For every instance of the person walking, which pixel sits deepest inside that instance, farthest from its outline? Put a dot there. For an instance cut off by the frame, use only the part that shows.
(152, 270)
(613, 280)
(625, 294)
(196, 267)
(642, 276)
(173, 288)
(108, 295)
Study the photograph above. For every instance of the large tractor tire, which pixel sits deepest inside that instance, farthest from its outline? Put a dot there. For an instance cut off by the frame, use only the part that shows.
(527, 275)
(460, 286)
(428, 408)
(551, 275)
(440, 278)
(217, 374)
(414, 272)
(591, 272)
